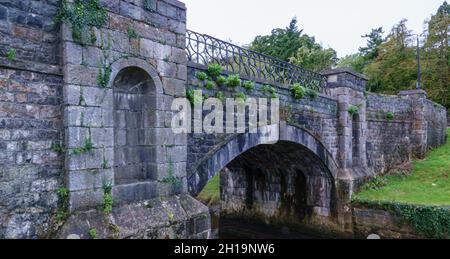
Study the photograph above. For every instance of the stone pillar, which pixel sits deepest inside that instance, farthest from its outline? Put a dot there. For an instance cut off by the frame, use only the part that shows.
(419, 125)
(348, 89)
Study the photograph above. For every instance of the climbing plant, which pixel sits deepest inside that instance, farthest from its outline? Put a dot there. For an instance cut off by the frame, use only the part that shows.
(433, 222)
(83, 16)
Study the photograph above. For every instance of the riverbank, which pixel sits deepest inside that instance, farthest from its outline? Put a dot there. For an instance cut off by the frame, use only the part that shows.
(408, 205)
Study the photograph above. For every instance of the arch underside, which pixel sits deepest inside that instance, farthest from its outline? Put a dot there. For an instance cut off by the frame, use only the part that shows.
(275, 135)
(289, 178)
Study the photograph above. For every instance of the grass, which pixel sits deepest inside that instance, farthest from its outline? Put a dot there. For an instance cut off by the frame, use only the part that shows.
(211, 192)
(429, 183)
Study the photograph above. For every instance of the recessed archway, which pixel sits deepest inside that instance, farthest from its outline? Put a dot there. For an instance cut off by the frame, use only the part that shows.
(135, 104)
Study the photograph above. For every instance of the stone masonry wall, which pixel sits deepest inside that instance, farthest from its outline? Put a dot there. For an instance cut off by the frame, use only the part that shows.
(30, 117)
(435, 116)
(389, 140)
(158, 52)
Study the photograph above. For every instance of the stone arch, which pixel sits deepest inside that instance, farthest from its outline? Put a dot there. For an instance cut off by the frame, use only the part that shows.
(136, 87)
(124, 63)
(223, 155)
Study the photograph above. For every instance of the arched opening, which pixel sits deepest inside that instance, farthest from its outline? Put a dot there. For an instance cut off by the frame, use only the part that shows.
(134, 122)
(287, 184)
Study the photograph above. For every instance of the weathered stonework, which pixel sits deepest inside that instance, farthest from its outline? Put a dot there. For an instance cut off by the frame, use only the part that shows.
(97, 116)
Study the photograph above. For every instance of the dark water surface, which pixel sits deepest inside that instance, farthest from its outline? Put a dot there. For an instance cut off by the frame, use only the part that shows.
(242, 229)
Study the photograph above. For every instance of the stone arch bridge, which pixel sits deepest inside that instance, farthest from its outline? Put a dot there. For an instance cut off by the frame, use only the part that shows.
(84, 124)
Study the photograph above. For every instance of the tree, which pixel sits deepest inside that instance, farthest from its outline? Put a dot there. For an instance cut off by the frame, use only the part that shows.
(395, 66)
(314, 58)
(354, 61)
(374, 40)
(282, 43)
(436, 56)
(291, 45)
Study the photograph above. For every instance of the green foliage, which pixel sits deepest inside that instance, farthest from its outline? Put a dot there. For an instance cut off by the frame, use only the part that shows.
(390, 116)
(57, 148)
(220, 96)
(11, 54)
(132, 34)
(104, 75)
(221, 81)
(88, 147)
(374, 41)
(298, 91)
(311, 93)
(241, 97)
(433, 222)
(355, 62)
(376, 183)
(171, 179)
(83, 15)
(63, 204)
(214, 70)
(107, 199)
(314, 57)
(353, 110)
(211, 193)
(233, 81)
(209, 85)
(267, 89)
(93, 233)
(202, 76)
(248, 85)
(427, 184)
(194, 99)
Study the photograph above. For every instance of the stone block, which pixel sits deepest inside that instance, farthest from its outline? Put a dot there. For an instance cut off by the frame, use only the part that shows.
(136, 192)
(80, 75)
(87, 179)
(72, 54)
(86, 199)
(174, 87)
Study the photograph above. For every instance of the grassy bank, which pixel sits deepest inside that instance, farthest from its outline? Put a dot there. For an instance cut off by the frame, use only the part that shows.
(211, 193)
(429, 183)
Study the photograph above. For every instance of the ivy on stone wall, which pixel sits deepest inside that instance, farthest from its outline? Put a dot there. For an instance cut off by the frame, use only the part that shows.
(83, 16)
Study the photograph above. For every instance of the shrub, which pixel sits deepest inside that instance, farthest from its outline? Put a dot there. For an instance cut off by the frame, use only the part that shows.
(202, 76)
(220, 96)
(248, 85)
(214, 70)
(221, 81)
(241, 97)
(209, 85)
(93, 233)
(233, 81)
(298, 91)
(193, 98)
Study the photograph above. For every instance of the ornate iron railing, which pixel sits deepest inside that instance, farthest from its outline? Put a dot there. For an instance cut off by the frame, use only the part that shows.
(204, 49)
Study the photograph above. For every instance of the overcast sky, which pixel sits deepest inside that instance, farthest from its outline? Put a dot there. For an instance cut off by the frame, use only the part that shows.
(335, 23)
